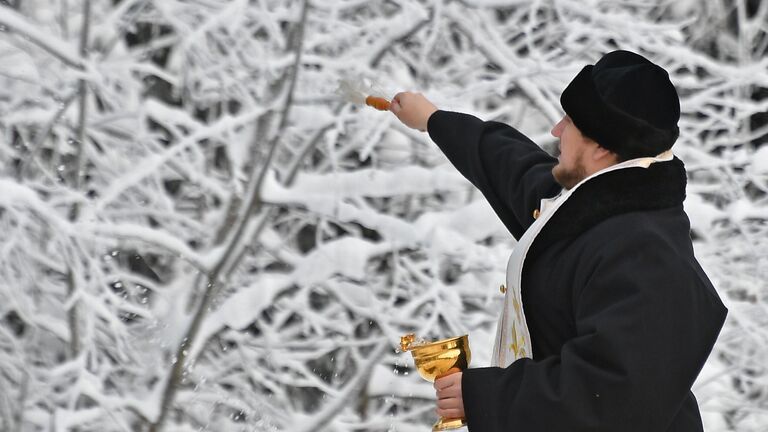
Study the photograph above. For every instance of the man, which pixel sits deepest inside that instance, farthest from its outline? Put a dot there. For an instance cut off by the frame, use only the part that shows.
(621, 317)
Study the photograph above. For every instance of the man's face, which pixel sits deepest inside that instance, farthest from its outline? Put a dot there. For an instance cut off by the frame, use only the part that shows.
(571, 167)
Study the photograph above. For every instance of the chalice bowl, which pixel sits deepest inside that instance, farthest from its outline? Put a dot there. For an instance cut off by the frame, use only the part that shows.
(438, 359)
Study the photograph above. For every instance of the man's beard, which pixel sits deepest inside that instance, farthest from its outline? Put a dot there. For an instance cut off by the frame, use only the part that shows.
(569, 178)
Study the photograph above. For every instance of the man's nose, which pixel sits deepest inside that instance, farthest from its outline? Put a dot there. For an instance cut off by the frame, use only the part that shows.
(557, 129)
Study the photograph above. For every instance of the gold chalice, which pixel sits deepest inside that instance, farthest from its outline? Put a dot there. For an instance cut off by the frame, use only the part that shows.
(438, 359)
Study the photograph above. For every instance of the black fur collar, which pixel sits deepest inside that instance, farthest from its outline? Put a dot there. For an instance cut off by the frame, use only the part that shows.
(661, 185)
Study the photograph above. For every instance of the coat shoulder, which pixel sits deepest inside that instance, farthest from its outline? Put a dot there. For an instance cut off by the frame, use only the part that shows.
(667, 227)
(658, 240)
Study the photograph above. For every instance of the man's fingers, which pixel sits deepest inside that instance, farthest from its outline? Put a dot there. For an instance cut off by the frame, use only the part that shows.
(399, 97)
(450, 407)
(447, 381)
(449, 403)
(450, 392)
(450, 413)
(412, 109)
(394, 106)
(442, 384)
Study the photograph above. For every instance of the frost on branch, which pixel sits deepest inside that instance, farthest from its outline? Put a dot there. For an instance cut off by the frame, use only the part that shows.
(205, 236)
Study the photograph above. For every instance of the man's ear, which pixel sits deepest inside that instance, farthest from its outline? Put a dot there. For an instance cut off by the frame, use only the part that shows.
(601, 154)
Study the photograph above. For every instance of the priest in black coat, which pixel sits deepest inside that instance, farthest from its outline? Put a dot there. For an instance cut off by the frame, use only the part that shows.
(620, 314)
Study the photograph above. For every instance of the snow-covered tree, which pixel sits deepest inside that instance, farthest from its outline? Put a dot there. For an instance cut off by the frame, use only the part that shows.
(198, 233)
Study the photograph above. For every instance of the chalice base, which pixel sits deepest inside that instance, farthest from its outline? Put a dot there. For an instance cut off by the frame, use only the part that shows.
(447, 424)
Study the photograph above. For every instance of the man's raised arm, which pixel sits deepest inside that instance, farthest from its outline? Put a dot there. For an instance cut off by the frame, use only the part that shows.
(511, 171)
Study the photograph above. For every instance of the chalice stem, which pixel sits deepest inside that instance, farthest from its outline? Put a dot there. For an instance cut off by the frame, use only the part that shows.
(449, 423)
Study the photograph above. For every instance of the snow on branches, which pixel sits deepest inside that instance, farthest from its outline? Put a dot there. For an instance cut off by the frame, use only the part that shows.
(199, 234)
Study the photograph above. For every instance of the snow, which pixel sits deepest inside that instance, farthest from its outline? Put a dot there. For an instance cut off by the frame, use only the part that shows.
(485, 223)
(155, 237)
(759, 163)
(19, 24)
(243, 308)
(376, 236)
(702, 214)
(744, 208)
(17, 63)
(358, 296)
(345, 257)
(385, 383)
(365, 182)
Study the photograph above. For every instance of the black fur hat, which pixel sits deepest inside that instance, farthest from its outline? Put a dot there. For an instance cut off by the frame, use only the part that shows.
(626, 104)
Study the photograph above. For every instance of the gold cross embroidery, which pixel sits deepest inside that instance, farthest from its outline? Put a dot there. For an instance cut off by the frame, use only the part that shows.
(516, 305)
(518, 343)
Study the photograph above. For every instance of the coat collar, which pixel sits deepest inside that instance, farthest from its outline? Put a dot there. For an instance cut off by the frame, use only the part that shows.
(661, 185)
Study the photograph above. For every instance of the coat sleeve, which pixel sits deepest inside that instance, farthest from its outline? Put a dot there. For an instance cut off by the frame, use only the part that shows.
(511, 171)
(645, 324)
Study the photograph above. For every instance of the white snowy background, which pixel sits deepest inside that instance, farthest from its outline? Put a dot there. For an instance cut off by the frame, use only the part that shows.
(196, 233)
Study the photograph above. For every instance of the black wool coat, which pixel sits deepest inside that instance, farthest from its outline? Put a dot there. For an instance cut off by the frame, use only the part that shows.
(621, 315)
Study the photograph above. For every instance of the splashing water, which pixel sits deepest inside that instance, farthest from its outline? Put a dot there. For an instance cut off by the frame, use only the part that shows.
(351, 91)
(357, 92)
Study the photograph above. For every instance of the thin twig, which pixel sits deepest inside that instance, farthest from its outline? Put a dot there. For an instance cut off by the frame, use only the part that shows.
(74, 340)
(255, 205)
